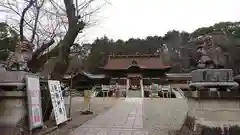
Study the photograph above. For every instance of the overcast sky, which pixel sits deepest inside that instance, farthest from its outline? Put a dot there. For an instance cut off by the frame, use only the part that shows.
(139, 18)
(124, 19)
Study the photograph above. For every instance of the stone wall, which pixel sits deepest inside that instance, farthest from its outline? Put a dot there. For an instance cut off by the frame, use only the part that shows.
(193, 126)
(213, 95)
(12, 116)
(212, 113)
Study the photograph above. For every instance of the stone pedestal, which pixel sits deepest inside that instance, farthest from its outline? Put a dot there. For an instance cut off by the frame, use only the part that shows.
(13, 113)
(13, 103)
(212, 113)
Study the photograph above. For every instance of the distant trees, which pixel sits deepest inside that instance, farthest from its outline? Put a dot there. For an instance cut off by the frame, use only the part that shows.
(169, 46)
(8, 40)
(175, 47)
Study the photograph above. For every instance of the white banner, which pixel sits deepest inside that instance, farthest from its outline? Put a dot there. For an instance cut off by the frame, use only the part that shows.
(57, 101)
(34, 102)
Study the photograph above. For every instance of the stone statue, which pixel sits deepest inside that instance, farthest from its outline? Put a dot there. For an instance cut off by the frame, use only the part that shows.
(211, 55)
(18, 59)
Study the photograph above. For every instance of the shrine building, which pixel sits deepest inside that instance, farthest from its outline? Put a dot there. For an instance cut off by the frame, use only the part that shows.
(132, 74)
(137, 72)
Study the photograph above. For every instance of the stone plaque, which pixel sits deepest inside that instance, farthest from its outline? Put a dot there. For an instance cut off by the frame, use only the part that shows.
(212, 75)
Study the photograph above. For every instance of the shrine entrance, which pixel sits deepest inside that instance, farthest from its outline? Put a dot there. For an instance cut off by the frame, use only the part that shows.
(135, 85)
(133, 68)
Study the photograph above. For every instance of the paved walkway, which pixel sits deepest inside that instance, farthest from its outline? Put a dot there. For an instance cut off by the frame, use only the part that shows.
(137, 116)
(126, 118)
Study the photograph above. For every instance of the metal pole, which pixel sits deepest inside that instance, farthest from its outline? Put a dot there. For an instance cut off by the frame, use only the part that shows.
(89, 106)
(70, 98)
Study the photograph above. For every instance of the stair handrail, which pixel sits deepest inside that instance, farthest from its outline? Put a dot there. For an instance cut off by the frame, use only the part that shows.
(180, 91)
(93, 90)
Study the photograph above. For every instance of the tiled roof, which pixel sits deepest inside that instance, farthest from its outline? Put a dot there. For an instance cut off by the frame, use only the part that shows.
(142, 62)
(181, 75)
(89, 75)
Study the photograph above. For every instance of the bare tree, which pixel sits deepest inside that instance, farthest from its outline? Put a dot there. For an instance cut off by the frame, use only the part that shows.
(52, 25)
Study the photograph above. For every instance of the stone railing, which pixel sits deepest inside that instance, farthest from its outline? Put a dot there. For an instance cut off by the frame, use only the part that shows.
(213, 95)
(122, 87)
(106, 89)
(150, 88)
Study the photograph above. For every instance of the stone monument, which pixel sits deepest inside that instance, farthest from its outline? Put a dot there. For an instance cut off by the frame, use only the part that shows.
(213, 99)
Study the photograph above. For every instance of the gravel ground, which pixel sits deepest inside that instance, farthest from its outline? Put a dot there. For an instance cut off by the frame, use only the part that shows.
(98, 106)
(163, 115)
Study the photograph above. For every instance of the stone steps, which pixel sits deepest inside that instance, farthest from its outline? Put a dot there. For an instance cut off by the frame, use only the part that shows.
(134, 93)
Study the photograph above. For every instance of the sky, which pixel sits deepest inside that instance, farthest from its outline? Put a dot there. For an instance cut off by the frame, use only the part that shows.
(124, 19)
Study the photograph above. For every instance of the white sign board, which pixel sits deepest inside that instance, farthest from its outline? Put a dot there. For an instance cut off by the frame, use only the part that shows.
(57, 101)
(34, 102)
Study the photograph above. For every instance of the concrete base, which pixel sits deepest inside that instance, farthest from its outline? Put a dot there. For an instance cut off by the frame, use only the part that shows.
(13, 117)
(196, 126)
(212, 114)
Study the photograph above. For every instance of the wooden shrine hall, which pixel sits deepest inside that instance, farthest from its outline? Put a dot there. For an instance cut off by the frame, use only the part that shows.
(135, 72)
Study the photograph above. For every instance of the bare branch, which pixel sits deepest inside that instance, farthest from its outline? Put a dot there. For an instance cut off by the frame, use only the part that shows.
(36, 20)
(84, 5)
(43, 48)
(44, 21)
(11, 6)
(22, 18)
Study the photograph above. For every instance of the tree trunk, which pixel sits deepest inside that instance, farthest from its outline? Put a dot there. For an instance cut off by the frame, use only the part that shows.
(74, 27)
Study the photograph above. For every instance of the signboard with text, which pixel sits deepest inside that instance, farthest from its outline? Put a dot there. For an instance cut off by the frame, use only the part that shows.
(34, 102)
(57, 101)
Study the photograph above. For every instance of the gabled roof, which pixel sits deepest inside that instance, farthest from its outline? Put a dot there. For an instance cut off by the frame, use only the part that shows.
(237, 77)
(181, 75)
(141, 61)
(93, 76)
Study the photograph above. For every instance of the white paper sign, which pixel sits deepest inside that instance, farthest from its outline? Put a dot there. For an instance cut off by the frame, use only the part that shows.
(34, 102)
(57, 101)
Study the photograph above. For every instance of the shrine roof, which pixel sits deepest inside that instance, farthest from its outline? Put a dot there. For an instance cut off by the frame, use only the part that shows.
(88, 75)
(119, 62)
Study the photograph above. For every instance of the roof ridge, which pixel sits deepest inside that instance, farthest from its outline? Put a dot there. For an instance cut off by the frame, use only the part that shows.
(133, 55)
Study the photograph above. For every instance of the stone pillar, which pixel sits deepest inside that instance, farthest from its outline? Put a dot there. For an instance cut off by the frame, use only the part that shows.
(142, 90)
(14, 119)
